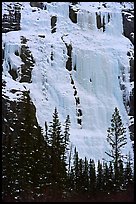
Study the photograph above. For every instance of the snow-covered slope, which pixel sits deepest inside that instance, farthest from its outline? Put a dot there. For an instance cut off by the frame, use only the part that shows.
(79, 64)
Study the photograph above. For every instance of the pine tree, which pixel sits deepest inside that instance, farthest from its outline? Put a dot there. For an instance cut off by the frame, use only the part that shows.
(80, 170)
(92, 177)
(111, 177)
(128, 172)
(76, 170)
(69, 158)
(105, 177)
(85, 182)
(66, 140)
(80, 179)
(46, 132)
(57, 162)
(34, 155)
(121, 176)
(99, 176)
(25, 156)
(117, 139)
(66, 131)
(71, 180)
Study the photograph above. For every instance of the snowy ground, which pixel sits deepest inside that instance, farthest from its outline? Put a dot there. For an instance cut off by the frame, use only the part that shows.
(99, 56)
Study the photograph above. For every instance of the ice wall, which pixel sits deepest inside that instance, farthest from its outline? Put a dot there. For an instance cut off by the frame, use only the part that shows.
(97, 73)
(99, 62)
(11, 61)
(104, 21)
(99, 66)
(86, 20)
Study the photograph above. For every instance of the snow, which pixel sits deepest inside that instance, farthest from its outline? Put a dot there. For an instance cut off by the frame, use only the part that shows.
(11, 84)
(5, 119)
(101, 56)
(11, 129)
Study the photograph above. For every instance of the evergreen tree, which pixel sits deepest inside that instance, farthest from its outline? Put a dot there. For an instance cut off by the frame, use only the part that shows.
(99, 176)
(69, 158)
(80, 180)
(25, 157)
(66, 131)
(76, 170)
(128, 172)
(80, 170)
(71, 180)
(66, 140)
(117, 139)
(34, 155)
(111, 177)
(92, 176)
(46, 132)
(57, 162)
(121, 176)
(105, 177)
(85, 182)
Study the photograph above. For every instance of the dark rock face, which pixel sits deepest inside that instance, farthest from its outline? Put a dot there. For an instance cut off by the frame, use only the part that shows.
(41, 36)
(13, 73)
(24, 72)
(11, 21)
(79, 112)
(53, 24)
(28, 60)
(77, 102)
(69, 53)
(131, 128)
(131, 112)
(128, 24)
(73, 3)
(69, 61)
(98, 18)
(72, 14)
(131, 69)
(37, 4)
(52, 54)
(103, 23)
(75, 67)
(99, 23)
(108, 17)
